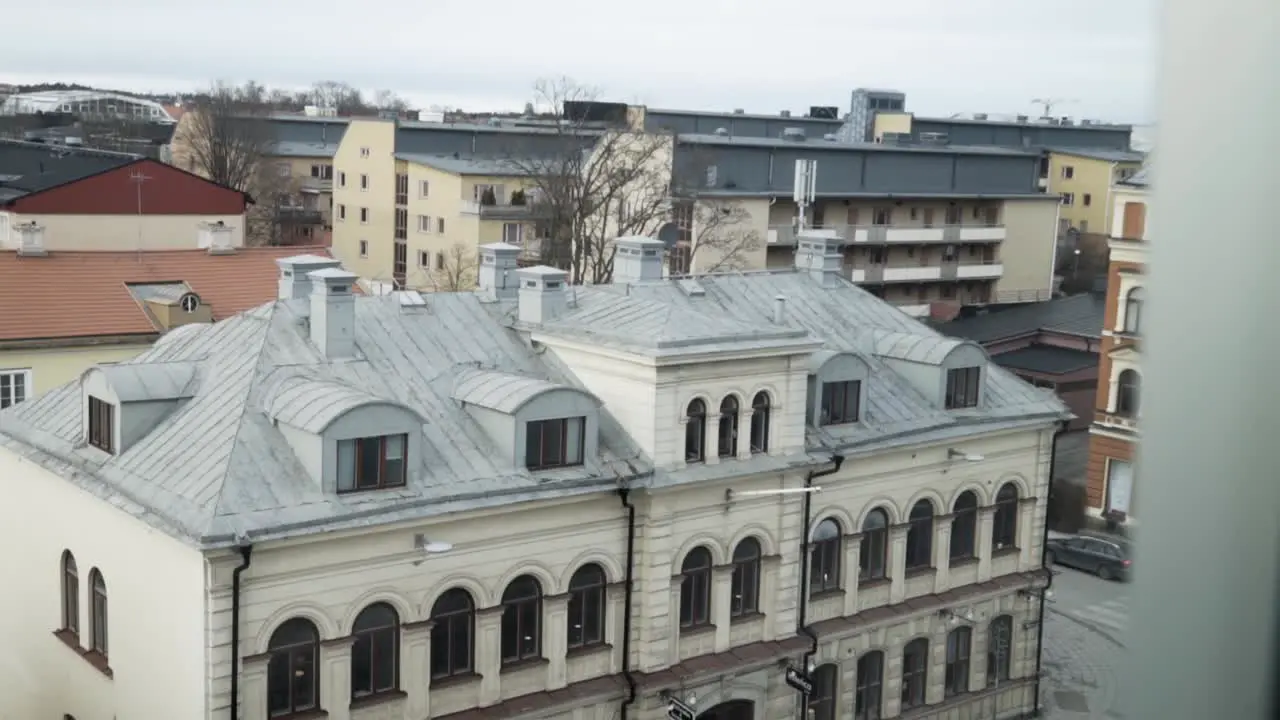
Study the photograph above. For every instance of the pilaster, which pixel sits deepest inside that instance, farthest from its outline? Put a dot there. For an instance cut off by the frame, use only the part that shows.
(851, 566)
(415, 644)
(897, 562)
(721, 601)
(555, 638)
(335, 680)
(986, 523)
(942, 554)
(488, 642)
(253, 687)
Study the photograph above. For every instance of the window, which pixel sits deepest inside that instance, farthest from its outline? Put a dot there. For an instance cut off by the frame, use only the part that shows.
(695, 432)
(824, 557)
(364, 215)
(695, 589)
(881, 216)
(874, 553)
(962, 387)
(439, 261)
(513, 233)
(101, 425)
(746, 578)
(364, 248)
(522, 620)
(401, 224)
(957, 672)
(15, 385)
(284, 170)
(440, 225)
(870, 678)
(98, 613)
(342, 179)
(728, 446)
(1133, 310)
(342, 211)
(1084, 224)
(915, 672)
(964, 525)
(955, 215)
(371, 463)
(1128, 392)
(293, 685)
(1068, 198)
(999, 642)
(453, 619)
(1004, 532)
(424, 189)
(375, 652)
(822, 703)
(70, 594)
(324, 172)
(760, 423)
(424, 259)
(840, 402)
(586, 606)
(1086, 199)
(402, 189)
(920, 535)
(554, 443)
(364, 152)
(424, 223)
(1068, 172)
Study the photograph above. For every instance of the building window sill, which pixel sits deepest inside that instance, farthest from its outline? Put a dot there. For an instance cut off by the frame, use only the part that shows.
(303, 715)
(448, 681)
(963, 561)
(870, 583)
(695, 630)
(1005, 551)
(518, 665)
(587, 650)
(747, 617)
(821, 595)
(93, 657)
(920, 571)
(378, 698)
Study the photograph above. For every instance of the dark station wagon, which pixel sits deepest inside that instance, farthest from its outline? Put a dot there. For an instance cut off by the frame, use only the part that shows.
(1108, 557)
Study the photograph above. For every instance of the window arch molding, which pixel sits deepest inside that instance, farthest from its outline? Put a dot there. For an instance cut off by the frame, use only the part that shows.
(972, 486)
(719, 556)
(839, 514)
(612, 570)
(711, 404)
(940, 506)
(1020, 482)
(761, 535)
(479, 592)
(549, 581)
(770, 391)
(398, 602)
(881, 502)
(325, 625)
(742, 400)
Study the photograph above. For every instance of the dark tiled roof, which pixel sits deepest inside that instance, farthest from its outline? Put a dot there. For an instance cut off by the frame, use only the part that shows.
(1046, 359)
(1076, 315)
(29, 167)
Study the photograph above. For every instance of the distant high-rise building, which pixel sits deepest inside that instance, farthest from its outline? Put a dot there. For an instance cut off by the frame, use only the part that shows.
(863, 105)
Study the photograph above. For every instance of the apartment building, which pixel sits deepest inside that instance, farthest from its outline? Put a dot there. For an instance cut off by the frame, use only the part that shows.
(535, 501)
(86, 199)
(1083, 178)
(393, 236)
(1018, 131)
(1114, 435)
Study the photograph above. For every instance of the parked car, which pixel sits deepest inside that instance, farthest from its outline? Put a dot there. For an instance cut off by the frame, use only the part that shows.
(1110, 558)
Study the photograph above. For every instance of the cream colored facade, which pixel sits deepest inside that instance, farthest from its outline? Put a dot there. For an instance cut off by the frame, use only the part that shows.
(1085, 185)
(118, 232)
(364, 216)
(43, 369)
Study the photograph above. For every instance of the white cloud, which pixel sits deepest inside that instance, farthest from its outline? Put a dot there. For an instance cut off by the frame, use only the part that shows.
(947, 55)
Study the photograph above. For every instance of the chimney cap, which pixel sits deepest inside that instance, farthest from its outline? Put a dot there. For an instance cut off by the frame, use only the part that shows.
(545, 272)
(501, 248)
(639, 241)
(334, 276)
(317, 261)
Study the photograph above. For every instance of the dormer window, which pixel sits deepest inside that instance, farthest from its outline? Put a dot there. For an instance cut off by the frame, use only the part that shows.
(371, 463)
(554, 443)
(840, 402)
(962, 387)
(101, 425)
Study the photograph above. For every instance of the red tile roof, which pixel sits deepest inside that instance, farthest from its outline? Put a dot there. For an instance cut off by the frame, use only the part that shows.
(84, 293)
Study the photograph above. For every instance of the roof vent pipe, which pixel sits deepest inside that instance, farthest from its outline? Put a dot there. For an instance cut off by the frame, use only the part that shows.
(780, 310)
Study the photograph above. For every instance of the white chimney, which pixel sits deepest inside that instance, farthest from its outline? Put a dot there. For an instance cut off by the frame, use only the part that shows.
(638, 259)
(30, 239)
(333, 312)
(821, 254)
(497, 276)
(216, 237)
(293, 282)
(543, 294)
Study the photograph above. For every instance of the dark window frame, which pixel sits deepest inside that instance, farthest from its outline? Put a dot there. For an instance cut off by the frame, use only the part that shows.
(826, 692)
(587, 590)
(868, 694)
(1004, 526)
(728, 427)
(300, 659)
(695, 589)
(376, 632)
(1128, 392)
(840, 403)
(959, 650)
(999, 654)
(70, 594)
(745, 581)
(964, 526)
(761, 407)
(695, 432)
(825, 557)
(963, 387)
(452, 615)
(873, 554)
(915, 673)
(544, 450)
(920, 528)
(101, 431)
(383, 480)
(99, 618)
(1133, 303)
(521, 607)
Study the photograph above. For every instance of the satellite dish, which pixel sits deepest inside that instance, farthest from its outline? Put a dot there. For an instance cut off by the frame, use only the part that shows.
(669, 234)
(189, 302)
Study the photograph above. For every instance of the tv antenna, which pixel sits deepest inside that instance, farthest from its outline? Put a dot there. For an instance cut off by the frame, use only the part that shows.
(805, 189)
(138, 178)
(1047, 105)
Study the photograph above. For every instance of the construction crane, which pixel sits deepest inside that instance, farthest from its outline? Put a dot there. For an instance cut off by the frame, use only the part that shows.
(1047, 105)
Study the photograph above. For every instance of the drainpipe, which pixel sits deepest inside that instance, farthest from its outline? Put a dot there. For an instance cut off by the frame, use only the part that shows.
(624, 494)
(801, 619)
(246, 553)
(1044, 544)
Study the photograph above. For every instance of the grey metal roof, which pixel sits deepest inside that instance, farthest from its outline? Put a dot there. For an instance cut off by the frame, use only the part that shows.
(914, 347)
(503, 392)
(294, 148)
(464, 165)
(819, 144)
(781, 192)
(1138, 179)
(146, 383)
(1101, 154)
(1074, 315)
(218, 467)
(797, 119)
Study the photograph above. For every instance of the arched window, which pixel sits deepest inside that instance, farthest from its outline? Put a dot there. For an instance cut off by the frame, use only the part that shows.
(824, 557)
(1004, 533)
(964, 525)
(957, 673)
(1133, 310)
(822, 702)
(375, 652)
(98, 613)
(70, 594)
(873, 556)
(999, 649)
(522, 620)
(920, 535)
(746, 578)
(867, 696)
(915, 673)
(695, 432)
(728, 427)
(760, 423)
(1128, 393)
(453, 618)
(695, 588)
(293, 684)
(586, 606)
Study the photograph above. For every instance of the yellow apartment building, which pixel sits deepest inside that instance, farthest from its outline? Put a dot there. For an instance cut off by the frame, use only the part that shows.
(1084, 180)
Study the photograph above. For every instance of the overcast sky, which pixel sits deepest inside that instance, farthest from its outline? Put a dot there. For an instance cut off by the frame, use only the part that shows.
(948, 56)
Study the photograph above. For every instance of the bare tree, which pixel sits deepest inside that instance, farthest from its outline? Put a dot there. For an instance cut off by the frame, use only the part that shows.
(457, 270)
(388, 100)
(714, 232)
(340, 96)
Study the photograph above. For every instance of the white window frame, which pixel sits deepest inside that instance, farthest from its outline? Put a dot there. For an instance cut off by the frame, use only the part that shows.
(1068, 198)
(284, 169)
(1068, 172)
(342, 179)
(364, 248)
(26, 378)
(364, 182)
(342, 211)
(519, 233)
(364, 216)
(424, 259)
(424, 223)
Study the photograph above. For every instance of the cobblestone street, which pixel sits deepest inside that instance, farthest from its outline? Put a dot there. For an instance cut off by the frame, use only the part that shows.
(1083, 647)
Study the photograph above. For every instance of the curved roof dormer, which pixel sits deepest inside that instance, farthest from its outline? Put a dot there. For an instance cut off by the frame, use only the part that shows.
(948, 371)
(122, 403)
(314, 405)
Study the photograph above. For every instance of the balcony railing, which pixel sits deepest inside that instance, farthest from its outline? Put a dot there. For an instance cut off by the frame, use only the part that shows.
(316, 185)
(299, 215)
(1116, 420)
(499, 211)
(785, 235)
(898, 272)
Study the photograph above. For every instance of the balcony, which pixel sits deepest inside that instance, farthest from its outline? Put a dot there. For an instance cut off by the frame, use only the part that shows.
(316, 185)
(299, 216)
(984, 271)
(499, 211)
(1116, 421)
(785, 235)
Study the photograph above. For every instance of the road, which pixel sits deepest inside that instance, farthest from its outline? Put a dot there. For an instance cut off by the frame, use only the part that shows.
(1084, 646)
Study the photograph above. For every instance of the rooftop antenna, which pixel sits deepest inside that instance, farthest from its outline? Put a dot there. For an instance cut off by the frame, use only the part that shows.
(1047, 105)
(805, 190)
(138, 178)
